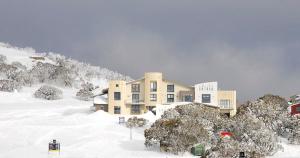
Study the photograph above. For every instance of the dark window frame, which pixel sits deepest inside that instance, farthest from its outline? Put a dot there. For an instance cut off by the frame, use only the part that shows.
(154, 88)
(170, 98)
(135, 88)
(153, 98)
(135, 99)
(188, 96)
(117, 95)
(117, 109)
(171, 88)
(135, 109)
(206, 99)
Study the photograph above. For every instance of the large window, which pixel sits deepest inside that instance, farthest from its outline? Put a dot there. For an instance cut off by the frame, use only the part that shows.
(225, 103)
(170, 98)
(117, 110)
(135, 109)
(153, 86)
(135, 88)
(188, 98)
(135, 98)
(117, 95)
(206, 98)
(170, 88)
(153, 97)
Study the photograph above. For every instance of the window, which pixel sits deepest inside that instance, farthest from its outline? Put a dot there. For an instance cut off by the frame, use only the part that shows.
(135, 98)
(205, 98)
(117, 110)
(135, 109)
(117, 95)
(170, 88)
(117, 85)
(153, 97)
(224, 103)
(298, 109)
(188, 98)
(153, 86)
(170, 98)
(135, 88)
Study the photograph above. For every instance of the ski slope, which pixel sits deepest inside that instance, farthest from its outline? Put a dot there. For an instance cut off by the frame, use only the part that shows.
(27, 125)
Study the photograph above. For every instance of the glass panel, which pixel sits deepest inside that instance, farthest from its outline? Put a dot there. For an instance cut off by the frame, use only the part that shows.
(206, 98)
(117, 95)
(170, 98)
(170, 88)
(135, 98)
(153, 86)
(117, 110)
(153, 97)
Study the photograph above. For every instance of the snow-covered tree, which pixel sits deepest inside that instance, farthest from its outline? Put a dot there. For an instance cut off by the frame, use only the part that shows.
(8, 70)
(49, 93)
(43, 72)
(9, 85)
(85, 93)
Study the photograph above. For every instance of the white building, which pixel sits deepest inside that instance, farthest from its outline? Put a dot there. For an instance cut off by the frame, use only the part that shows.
(207, 93)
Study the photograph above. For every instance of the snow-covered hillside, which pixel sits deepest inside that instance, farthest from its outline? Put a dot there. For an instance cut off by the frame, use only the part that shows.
(27, 125)
(74, 71)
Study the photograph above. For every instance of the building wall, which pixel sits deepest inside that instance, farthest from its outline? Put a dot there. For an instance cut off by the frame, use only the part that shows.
(177, 89)
(149, 77)
(208, 88)
(117, 86)
(227, 95)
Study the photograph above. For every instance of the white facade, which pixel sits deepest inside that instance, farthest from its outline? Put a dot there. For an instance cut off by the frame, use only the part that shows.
(207, 93)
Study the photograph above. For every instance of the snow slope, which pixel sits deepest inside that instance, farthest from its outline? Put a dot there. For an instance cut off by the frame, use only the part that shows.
(28, 124)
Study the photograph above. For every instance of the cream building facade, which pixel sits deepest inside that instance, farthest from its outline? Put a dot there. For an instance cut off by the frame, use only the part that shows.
(139, 96)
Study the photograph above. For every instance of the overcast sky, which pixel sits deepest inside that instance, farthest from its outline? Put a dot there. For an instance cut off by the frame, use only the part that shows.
(251, 46)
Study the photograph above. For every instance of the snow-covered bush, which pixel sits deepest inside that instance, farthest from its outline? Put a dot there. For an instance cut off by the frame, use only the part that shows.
(2, 58)
(85, 93)
(9, 85)
(273, 112)
(136, 122)
(48, 93)
(186, 125)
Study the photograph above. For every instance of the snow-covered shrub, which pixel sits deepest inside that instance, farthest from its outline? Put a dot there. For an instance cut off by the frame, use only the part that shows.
(85, 93)
(136, 122)
(48, 93)
(2, 58)
(9, 85)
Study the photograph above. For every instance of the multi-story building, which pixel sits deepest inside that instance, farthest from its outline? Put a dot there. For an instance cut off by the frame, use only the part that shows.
(139, 96)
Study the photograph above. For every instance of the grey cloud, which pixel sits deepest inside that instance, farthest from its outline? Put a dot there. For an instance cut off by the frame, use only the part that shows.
(252, 46)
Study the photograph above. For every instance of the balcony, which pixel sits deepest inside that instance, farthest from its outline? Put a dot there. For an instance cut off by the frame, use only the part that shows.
(135, 102)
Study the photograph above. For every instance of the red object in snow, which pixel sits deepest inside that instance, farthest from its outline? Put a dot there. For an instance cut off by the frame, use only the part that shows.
(225, 134)
(295, 109)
